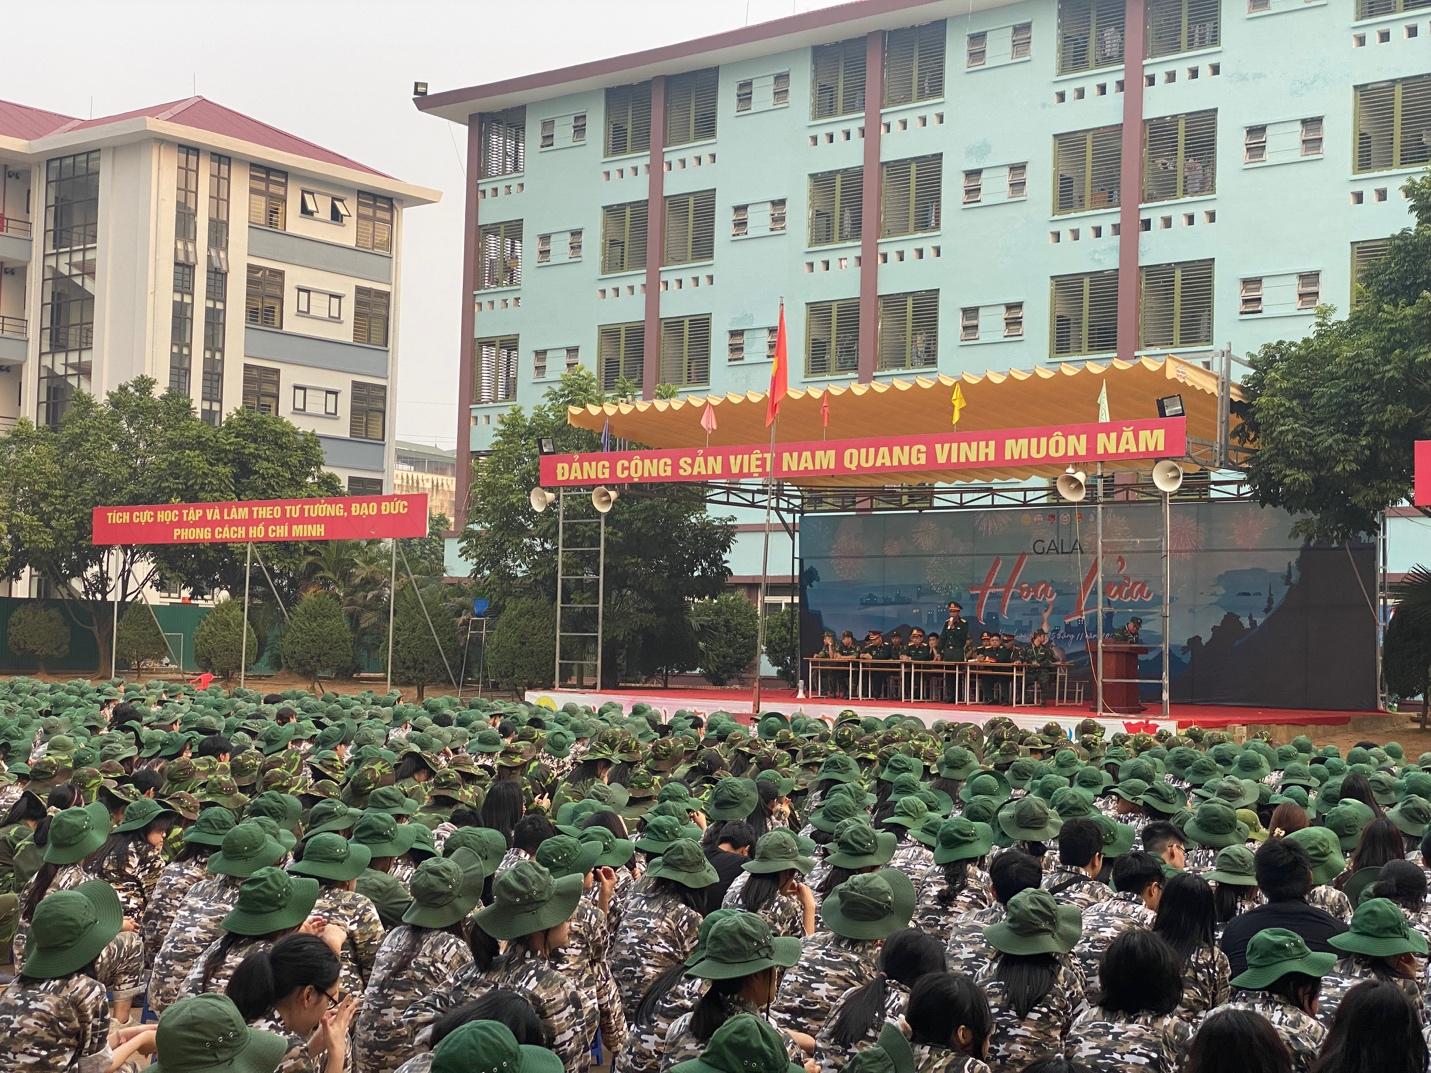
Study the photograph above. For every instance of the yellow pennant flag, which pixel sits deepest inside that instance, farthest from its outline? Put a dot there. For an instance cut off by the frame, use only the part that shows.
(959, 404)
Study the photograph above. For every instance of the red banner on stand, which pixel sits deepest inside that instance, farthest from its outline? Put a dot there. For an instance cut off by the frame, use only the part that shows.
(1421, 496)
(875, 457)
(266, 521)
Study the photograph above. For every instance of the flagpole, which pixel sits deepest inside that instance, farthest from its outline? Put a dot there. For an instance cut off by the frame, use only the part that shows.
(769, 498)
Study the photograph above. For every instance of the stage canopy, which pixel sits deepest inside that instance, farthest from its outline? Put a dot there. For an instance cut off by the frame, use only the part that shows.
(1058, 395)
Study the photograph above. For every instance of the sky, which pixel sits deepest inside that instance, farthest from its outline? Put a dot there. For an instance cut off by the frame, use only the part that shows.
(340, 73)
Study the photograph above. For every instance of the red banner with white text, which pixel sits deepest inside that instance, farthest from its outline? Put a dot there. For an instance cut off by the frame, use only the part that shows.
(268, 520)
(874, 457)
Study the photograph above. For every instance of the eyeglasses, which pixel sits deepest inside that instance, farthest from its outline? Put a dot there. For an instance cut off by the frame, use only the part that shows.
(333, 1000)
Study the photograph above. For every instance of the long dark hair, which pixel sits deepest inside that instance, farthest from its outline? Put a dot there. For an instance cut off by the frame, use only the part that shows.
(265, 977)
(761, 889)
(769, 793)
(1357, 787)
(115, 849)
(956, 878)
(656, 991)
(717, 1006)
(1187, 915)
(28, 808)
(907, 956)
(1027, 978)
(1381, 841)
(836, 875)
(691, 897)
(1404, 883)
(503, 807)
(503, 1006)
(1376, 1030)
(1237, 1041)
(1140, 973)
(1229, 899)
(940, 1003)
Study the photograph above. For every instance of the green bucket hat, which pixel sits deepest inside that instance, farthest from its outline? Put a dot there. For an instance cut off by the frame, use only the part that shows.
(211, 826)
(908, 812)
(1215, 826)
(858, 845)
(743, 1044)
(1130, 790)
(684, 863)
(1034, 923)
(662, 830)
(1234, 868)
(742, 944)
(445, 889)
(891, 1054)
(207, 1034)
(564, 855)
(488, 844)
(1323, 851)
(870, 905)
(733, 799)
(833, 812)
(1118, 837)
(1347, 820)
(271, 900)
(490, 1045)
(1029, 819)
(1274, 952)
(393, 801)
(141, 813)
(985, 784)
(331, 856)
(69, 928)
(1163, 798)
(75, 833)
(526, 899)
(1380, 929)
(1234, 793)
(387, 894)
(615, 852)
(957, 763)
(1412, 816)
(777, 852)
(838, 767)
(486, 741)
(383, 835)
(329, 816)
(960, 839)
(245, 849)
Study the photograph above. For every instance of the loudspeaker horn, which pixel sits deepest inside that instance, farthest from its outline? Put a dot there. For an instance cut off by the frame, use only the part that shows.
(602, 497)
(541, 499)
(1072, 485)
(1167, 476)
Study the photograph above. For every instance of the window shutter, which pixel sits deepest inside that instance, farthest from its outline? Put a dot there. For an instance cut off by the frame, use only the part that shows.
(500, 253)
(1176, 305)
(1087, 169)
(628, 119)
(623, 237)
(691, 103)
(620, 350)
(1179, 156)
(832, 337)
(496, 374)
(914, 64)
(1090, 34)
(503, 137)
(1364, 255)
(690, 228)
(837, 85)
(910, 192)
(1180, 25)
(909, 330)
(1084, 316)
(836, 206)
(686, 351)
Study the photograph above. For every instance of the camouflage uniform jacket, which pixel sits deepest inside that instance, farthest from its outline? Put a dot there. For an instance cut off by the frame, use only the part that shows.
(133, 878)
(175, 882)
(403, 868)
(939, 918)
(68, 877)
(588, 955)
(219, 968)
(296, 1059)
(1017, 1041)
(55, 1026)
(9, 795)
(1206, 982)
(570, 1018)
(1198, 860)
(511, 859)
(931, 1059)
(682, 1045)
(834, 1054)
(1105, 921)
(656, 932)
(1115, 1042)
(915, 860)
(357, 916)
(418, 1063)
(782, 913)
(1349, 972)
(198, 923)
(1076, 887)
(647, 1042)
(967, 951)
(403, 972)
(1301, 1032)
(829, 966)
(1330, 900)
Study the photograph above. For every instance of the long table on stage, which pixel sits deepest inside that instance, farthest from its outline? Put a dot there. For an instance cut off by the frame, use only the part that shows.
(860, 676)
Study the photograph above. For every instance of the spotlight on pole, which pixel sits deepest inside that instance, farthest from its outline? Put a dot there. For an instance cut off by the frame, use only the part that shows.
(1072, 485)
(602, 498)
(541, 499)
(546, 445)
(1167, 476)
(419, 89)
(1171, 406)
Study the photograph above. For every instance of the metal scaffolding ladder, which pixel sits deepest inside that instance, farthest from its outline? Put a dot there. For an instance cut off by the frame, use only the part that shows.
(580, 588)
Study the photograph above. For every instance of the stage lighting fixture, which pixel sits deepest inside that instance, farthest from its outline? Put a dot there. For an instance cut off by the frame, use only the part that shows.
(1171, 406)
(546, 445)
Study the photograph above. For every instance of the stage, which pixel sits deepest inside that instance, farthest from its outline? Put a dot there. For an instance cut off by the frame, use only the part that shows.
(737, 702)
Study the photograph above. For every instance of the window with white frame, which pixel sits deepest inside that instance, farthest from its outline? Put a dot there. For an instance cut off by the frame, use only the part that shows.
(338, 211)
(1250, 296)
(1284, 141)
(1254, 144)
(969, 324)
(735, 345)
(563, 131)
(315, 400)
(573, 357)
(308, 203)
(996, 184)
(973, 186)
(559, 247)
(1309, 290)
(760, 93)
(1280, 295)
(1021, 41)
(321, 304)
(977, 49)
(1312, 136)
(998, 45)
(992, 323)
(1018, 185)
(1013, 320)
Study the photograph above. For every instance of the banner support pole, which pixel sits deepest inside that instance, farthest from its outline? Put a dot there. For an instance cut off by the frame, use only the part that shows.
(392, 613)
(114, 628)
(764, 575)
(1098, 573)
(1167, 600)
(243, 633)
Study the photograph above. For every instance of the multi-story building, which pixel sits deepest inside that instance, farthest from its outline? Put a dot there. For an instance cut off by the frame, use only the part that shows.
(933, 185)
(418, 467)
(228, 260)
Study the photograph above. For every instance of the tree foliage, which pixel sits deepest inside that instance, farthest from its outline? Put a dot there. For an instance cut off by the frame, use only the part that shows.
(140, 640)
(39, 631)
(782, 643)
(317, 639)
(417, 659)
(726, 631)
(662, 550)
(219, 640)
(1332, 417)
(521, 644)
(1406, 647)
(135, 447)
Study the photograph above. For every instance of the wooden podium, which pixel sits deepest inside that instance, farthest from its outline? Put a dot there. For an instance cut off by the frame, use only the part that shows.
(1120, 662)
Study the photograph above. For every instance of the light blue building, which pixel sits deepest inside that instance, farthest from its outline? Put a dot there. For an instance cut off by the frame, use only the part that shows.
(932, 185)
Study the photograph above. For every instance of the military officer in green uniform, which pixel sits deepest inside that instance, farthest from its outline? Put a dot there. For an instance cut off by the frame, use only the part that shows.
(875, 647)
(954, 637)
(1042, 660)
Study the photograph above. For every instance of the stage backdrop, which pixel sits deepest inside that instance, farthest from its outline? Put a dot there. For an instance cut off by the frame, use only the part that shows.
(1257, 617)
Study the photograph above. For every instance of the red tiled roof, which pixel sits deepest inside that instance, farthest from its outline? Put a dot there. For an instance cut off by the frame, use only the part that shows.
(203, 114)
(22, 121)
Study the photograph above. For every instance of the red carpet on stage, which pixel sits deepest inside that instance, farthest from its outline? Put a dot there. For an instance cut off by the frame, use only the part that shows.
(738, 702)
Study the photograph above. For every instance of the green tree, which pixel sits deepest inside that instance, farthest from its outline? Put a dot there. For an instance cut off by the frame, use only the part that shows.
(132, 448)
(317, 639)
(725, 629)
(39, 631)
(417, 659)
(662, 549)
(219, 640)
(140, 640)
(782, 643)
(521, 644)
(1331, 418)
